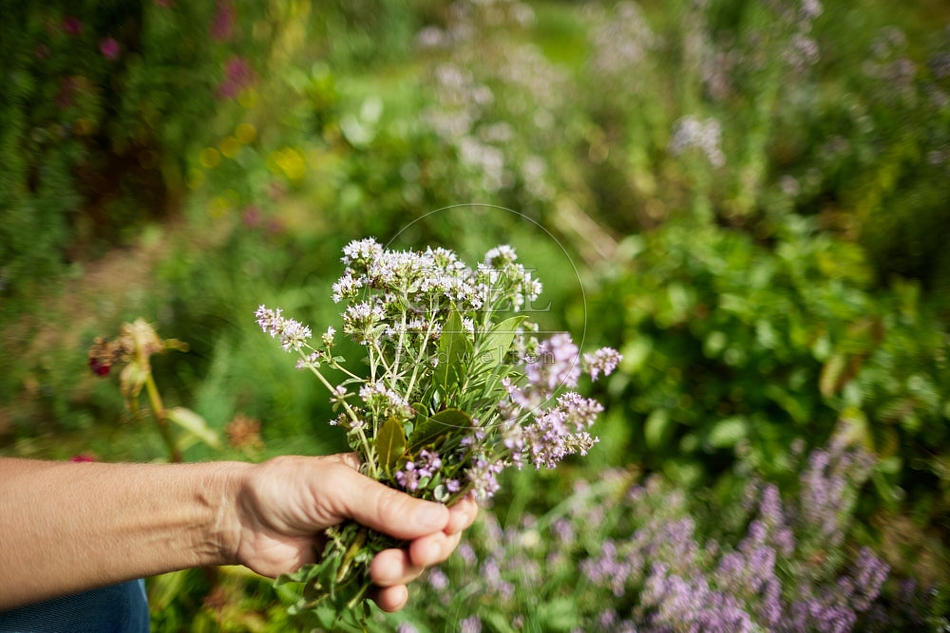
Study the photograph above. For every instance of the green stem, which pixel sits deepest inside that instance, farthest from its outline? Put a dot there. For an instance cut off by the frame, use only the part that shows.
(351, 553)
(399, 345)
(421, 357)
(368, 449)
(161, 420)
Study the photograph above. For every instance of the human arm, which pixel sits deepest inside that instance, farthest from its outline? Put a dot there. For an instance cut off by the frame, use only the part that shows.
(71, 526)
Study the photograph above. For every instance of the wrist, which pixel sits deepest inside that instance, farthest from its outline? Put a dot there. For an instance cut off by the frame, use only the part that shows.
(223, 490)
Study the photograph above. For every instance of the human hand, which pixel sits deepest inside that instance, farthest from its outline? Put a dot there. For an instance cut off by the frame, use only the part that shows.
(283, 506)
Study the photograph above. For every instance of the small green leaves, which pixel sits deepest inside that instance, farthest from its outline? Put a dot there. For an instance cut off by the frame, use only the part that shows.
(441, 493)
(390, 443)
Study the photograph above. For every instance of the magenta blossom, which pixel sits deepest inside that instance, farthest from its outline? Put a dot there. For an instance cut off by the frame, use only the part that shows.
(223, 23)
(72, 26)
(238, 75)
(110, 48)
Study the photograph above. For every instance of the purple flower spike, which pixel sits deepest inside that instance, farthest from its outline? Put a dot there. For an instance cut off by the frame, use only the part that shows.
(603, 361)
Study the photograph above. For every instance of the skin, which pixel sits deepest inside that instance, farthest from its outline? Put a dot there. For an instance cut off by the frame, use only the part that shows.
(68, 527)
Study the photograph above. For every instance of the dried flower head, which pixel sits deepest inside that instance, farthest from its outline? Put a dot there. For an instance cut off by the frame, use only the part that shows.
(245, 433)
(103, 354)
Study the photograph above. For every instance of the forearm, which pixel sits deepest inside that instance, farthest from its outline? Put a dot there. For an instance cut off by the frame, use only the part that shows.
(65, 527)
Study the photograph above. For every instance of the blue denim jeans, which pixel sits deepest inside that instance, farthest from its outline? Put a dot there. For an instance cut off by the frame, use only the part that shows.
(121, 608)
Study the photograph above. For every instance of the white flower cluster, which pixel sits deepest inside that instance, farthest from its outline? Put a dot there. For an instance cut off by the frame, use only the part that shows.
(481, 100)
(378, 396)
(293, 335)
(391, 282)
(706, 136)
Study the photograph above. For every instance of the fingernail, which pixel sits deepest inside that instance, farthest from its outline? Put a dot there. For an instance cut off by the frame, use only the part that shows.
(431, 515)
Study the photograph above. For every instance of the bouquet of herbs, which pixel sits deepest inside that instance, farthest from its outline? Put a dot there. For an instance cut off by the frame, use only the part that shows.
(460, 385)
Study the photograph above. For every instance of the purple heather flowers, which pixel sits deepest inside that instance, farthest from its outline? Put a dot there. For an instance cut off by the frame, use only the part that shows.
(620, 555)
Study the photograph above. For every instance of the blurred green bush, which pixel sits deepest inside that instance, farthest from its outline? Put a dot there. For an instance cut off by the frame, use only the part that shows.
(102, 101)
(740, 350)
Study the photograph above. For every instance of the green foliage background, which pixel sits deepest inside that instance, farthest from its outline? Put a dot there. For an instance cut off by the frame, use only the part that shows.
(776, 277)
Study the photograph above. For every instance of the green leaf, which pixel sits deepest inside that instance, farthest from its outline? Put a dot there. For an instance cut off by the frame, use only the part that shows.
(165, 588)
(657, 428)
(194, 424)
(455, 350)
(442, 423)
(890, 465)
(888, 492)
(390, 443)
(132, 379)
(727, 432)
(794, 406)
(559, 614)
(421, 411)
(498, 622)
(832, 372)
(497, 341)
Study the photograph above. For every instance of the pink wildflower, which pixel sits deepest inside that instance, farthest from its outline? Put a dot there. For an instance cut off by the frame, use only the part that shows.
(225, 18)
(238, 75)
(110, 48)
(602, 362)
(72, 26)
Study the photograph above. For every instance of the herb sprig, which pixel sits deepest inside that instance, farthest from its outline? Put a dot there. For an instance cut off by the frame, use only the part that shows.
(460, 385)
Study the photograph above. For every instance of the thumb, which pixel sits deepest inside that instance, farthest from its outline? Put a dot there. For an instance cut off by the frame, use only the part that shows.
(384, 509)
